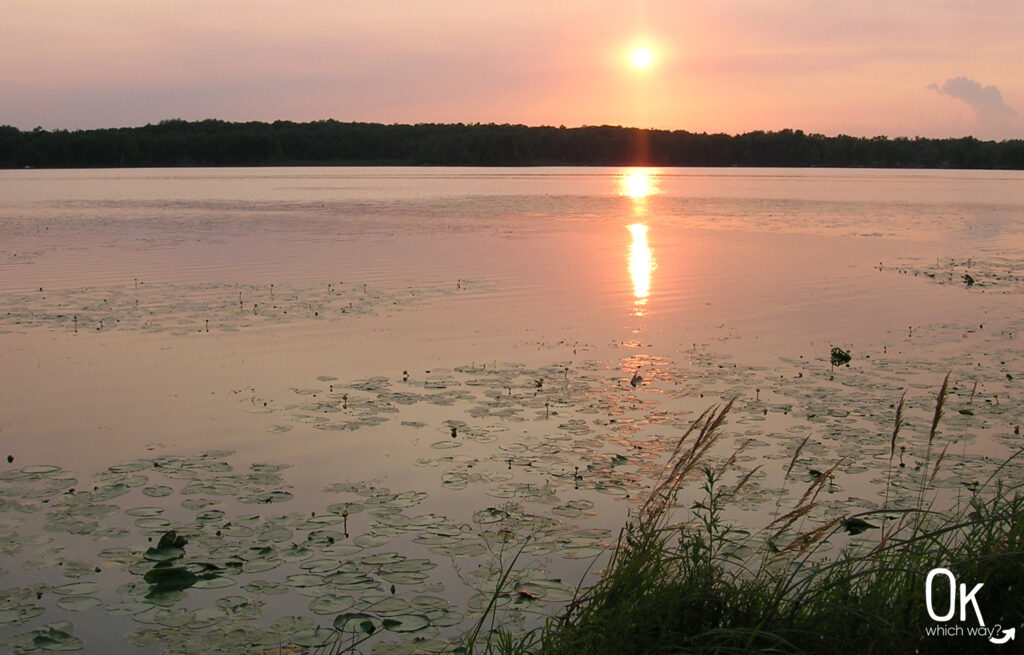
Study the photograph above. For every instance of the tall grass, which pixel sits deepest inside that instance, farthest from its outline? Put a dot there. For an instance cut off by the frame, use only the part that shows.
(693, 587)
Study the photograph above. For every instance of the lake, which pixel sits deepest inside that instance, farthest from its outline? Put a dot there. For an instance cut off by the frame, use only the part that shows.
(363, 392)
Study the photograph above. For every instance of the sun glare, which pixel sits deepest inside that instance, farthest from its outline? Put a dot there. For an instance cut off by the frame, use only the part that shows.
(637, 183)
(642, 57)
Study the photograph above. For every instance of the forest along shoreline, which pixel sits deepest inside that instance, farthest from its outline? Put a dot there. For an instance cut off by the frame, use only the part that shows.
(211, 142)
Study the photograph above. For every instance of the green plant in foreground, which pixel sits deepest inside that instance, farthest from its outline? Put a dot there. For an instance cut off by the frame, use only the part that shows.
(685, 588)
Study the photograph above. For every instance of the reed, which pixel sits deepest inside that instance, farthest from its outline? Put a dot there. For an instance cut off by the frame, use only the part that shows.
(689, 588)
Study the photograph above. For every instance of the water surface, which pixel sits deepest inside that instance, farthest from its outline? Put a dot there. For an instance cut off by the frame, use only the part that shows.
(470, 335)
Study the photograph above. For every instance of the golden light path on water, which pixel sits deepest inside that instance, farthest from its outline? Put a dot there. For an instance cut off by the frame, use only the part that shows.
(641, 266)
(638, 184)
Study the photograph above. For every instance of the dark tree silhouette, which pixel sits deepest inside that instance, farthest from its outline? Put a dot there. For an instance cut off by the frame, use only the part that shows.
(284, 143)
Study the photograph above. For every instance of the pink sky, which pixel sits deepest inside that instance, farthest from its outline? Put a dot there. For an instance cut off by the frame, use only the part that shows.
(936, 68)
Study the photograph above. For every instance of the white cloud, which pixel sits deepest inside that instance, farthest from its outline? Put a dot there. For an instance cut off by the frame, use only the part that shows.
(995, 119)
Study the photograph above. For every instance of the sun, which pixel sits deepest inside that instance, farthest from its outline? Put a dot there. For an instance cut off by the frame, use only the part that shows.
(642, 57)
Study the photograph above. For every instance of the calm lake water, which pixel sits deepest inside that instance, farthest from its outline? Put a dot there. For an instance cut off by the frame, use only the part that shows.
(445, 355)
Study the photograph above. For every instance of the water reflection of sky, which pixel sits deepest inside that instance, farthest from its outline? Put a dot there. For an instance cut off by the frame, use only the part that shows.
(637, 184)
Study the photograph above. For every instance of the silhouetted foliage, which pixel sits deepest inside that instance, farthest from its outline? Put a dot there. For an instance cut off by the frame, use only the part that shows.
(329, 142)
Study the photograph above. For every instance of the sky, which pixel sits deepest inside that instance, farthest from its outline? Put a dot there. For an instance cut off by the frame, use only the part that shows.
(931, 68)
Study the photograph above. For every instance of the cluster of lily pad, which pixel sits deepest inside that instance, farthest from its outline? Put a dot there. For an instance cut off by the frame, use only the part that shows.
(197, 566)
(189, 308)
(1000, 272)
(197, 552)
(533, 434)
(566, 426)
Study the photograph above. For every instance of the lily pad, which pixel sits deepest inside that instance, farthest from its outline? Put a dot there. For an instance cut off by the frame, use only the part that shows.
(331, 603)
(165, 554)
(490, 515)
(19, 614)
(127, 608)
(78, 603)
(388, 605)
(855, 525)
(320, 566)
(76, 588)
(173, 578)
(157, 491)
(304, 580)
(358, 622)
(403, 577)
(266, 497)
(371, 540)
(56, 640)
(152, 523)
(405, 623)
(315, 638)
(211, 581)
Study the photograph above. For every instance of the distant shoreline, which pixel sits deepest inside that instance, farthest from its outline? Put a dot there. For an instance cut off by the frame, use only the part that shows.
(215, 143)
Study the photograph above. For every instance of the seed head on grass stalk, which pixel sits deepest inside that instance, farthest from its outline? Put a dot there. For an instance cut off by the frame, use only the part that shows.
(652, 557)
(788, 519)
(805, 541)
(812, 491)
(727, 464)
(796, 455)
(940, 400)
(746, 478)
(685, 462)
(897, 424)
(661, 595)
(806, 503)
(938, 463)
(782, 489)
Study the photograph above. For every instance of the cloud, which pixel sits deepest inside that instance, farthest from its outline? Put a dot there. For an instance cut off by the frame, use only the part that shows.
(994, 117)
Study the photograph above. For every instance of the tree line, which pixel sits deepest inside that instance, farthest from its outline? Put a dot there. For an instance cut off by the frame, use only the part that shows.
(329, 142)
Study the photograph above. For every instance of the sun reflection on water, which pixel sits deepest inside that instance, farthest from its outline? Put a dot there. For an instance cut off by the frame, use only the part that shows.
(641, 267)
(637, 184)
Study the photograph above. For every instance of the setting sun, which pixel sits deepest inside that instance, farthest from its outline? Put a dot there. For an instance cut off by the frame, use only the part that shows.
(642, 57)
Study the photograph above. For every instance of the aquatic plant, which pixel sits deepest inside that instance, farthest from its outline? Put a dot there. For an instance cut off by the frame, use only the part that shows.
(839, 356)
(598, 451)
(689, 587)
